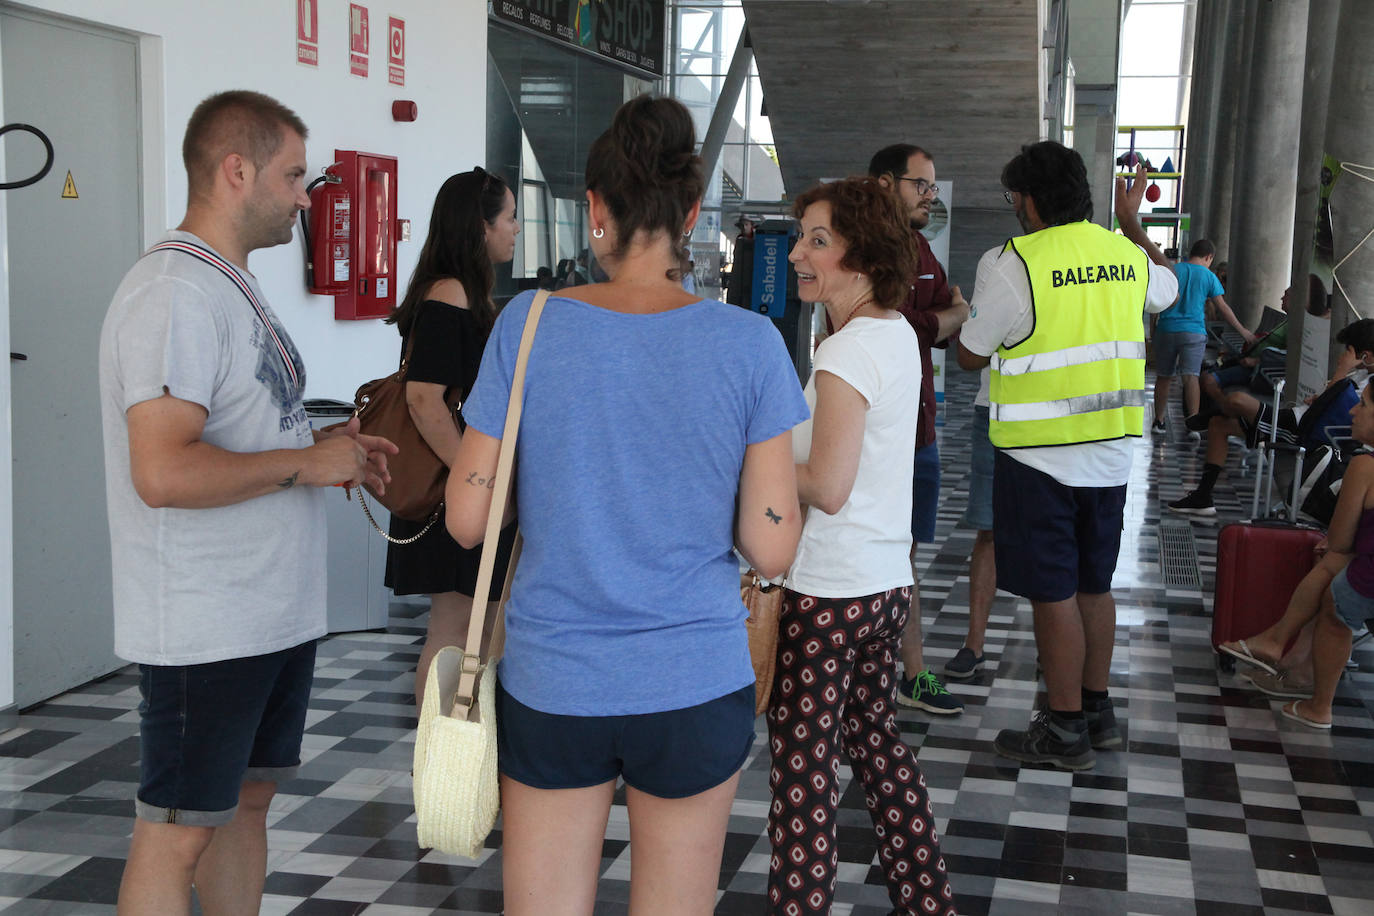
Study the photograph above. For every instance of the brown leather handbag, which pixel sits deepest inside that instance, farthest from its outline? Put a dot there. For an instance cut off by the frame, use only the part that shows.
(763, 600)
(418, 477)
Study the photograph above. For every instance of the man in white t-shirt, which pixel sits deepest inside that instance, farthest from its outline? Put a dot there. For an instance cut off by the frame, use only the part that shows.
(1060, 323)
(216, 516)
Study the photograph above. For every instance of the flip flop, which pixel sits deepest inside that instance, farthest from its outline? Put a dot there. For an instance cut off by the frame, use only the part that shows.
(1242, 652)
(1290, 711)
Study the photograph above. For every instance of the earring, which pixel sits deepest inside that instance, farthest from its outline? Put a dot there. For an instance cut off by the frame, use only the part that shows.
(598, 233)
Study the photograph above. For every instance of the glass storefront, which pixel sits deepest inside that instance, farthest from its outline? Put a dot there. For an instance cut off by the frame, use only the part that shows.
(545, 106)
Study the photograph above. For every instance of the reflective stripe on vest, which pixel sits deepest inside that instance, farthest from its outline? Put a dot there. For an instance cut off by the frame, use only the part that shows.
(1080, 375)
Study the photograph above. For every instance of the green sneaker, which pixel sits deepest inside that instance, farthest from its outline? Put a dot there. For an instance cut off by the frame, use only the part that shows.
(924, 691)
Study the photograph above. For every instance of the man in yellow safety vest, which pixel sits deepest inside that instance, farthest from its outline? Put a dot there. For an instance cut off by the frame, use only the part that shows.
(1061, 325)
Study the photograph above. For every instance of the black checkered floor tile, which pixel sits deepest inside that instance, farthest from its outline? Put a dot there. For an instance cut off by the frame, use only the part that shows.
(1217, 805)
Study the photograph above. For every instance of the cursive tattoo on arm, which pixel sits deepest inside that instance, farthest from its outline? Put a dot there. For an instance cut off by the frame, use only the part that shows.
(288, 482)
(474, 480)
(773, 516)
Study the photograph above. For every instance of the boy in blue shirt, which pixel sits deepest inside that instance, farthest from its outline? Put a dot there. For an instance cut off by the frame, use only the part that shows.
(1181, 330)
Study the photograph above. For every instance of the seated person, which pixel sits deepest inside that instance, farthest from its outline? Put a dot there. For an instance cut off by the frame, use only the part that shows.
(1243, 370)
(1338, 593)
(1250, 418)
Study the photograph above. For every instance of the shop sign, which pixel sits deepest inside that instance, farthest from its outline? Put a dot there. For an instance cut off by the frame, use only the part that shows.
(357, 40)
(626, 32)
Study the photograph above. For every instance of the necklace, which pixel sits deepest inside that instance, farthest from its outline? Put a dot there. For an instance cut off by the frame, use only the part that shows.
(853, 312)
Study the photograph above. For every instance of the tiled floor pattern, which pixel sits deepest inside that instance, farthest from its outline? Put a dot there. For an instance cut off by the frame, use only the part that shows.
(1217, 806)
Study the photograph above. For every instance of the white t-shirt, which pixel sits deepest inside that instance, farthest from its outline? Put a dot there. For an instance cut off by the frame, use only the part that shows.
(980, 283)
(203, 585)
(865, 547)
(1001, 313)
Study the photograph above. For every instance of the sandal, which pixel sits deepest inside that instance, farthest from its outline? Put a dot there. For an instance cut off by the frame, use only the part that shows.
(1241, 651)
(1290, 711)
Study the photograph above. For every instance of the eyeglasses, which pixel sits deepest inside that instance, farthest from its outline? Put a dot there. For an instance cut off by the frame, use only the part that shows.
(1007, 195)
(923, 187)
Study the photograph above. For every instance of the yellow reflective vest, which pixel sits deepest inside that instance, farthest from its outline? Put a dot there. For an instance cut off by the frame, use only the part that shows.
(1080, 375)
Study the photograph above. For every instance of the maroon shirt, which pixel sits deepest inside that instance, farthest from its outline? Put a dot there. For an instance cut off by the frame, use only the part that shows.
(929, 295)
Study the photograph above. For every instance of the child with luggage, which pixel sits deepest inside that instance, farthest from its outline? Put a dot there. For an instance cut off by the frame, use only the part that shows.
(1338, 592)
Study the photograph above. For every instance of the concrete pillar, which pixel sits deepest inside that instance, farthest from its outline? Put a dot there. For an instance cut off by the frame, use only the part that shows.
(1199, 159)
(1350, 139)
(1229, 102)
(1267, 161)
(1322, 20)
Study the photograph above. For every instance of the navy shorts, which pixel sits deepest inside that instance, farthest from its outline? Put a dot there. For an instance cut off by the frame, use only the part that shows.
(1052, 541)
(204, 730)
(925, 493)
(670, 754)
(1233, 376)
(978, 513)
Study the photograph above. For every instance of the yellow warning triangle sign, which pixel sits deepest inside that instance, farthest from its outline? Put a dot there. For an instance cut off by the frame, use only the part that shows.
(69, 187)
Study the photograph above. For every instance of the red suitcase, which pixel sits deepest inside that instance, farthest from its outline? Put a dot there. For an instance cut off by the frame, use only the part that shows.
(1259, 564)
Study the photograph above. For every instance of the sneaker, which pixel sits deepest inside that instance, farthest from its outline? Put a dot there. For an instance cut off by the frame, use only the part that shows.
(1193, 504)
(1279, 685)
(924, 691)
(964, 664)
(1158, 427)
(1060, 744)
(1103, 732)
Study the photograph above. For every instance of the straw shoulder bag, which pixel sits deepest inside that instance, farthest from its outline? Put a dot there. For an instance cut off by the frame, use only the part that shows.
(457, 794)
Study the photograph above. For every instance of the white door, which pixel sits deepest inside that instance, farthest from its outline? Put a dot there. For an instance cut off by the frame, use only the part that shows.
(66, 256)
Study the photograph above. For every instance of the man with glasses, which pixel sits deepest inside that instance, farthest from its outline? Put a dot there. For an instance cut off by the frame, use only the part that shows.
(936, 310)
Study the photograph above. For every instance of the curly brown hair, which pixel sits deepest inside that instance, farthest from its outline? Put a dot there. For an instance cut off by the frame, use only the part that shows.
(872, 223)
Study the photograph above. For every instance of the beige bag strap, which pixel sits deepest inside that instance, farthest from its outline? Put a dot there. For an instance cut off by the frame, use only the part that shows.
(472, 655)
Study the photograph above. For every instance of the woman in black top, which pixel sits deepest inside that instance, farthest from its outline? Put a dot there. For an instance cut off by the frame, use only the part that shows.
(448, 310)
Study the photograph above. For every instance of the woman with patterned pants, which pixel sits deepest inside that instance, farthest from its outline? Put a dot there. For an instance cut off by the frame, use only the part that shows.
(849, 589)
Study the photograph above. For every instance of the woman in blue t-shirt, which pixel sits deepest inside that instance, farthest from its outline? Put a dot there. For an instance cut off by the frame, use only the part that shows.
(656, 435)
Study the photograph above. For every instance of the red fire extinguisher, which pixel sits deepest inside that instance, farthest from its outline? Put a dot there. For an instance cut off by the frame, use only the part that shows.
(328, 235)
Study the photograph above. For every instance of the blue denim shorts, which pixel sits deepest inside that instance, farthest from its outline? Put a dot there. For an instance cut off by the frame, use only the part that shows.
(1052, 541)
(1351, 607)
(672, 754)
(204, 730)
(1178, 353)
(925, 493)
(978, 514)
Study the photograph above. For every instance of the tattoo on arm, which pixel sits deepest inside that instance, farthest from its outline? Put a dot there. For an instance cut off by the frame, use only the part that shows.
(288, 482)
(773, 516)
(474, 480)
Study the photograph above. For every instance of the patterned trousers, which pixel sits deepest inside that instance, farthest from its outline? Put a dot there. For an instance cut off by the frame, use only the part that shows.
(835, 686)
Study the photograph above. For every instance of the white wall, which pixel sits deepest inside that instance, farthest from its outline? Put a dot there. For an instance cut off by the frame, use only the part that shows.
(193, 49)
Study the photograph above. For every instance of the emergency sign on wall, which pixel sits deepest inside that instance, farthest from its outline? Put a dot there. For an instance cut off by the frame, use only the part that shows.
(396, 52)
(357, 40)
(308, 33)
